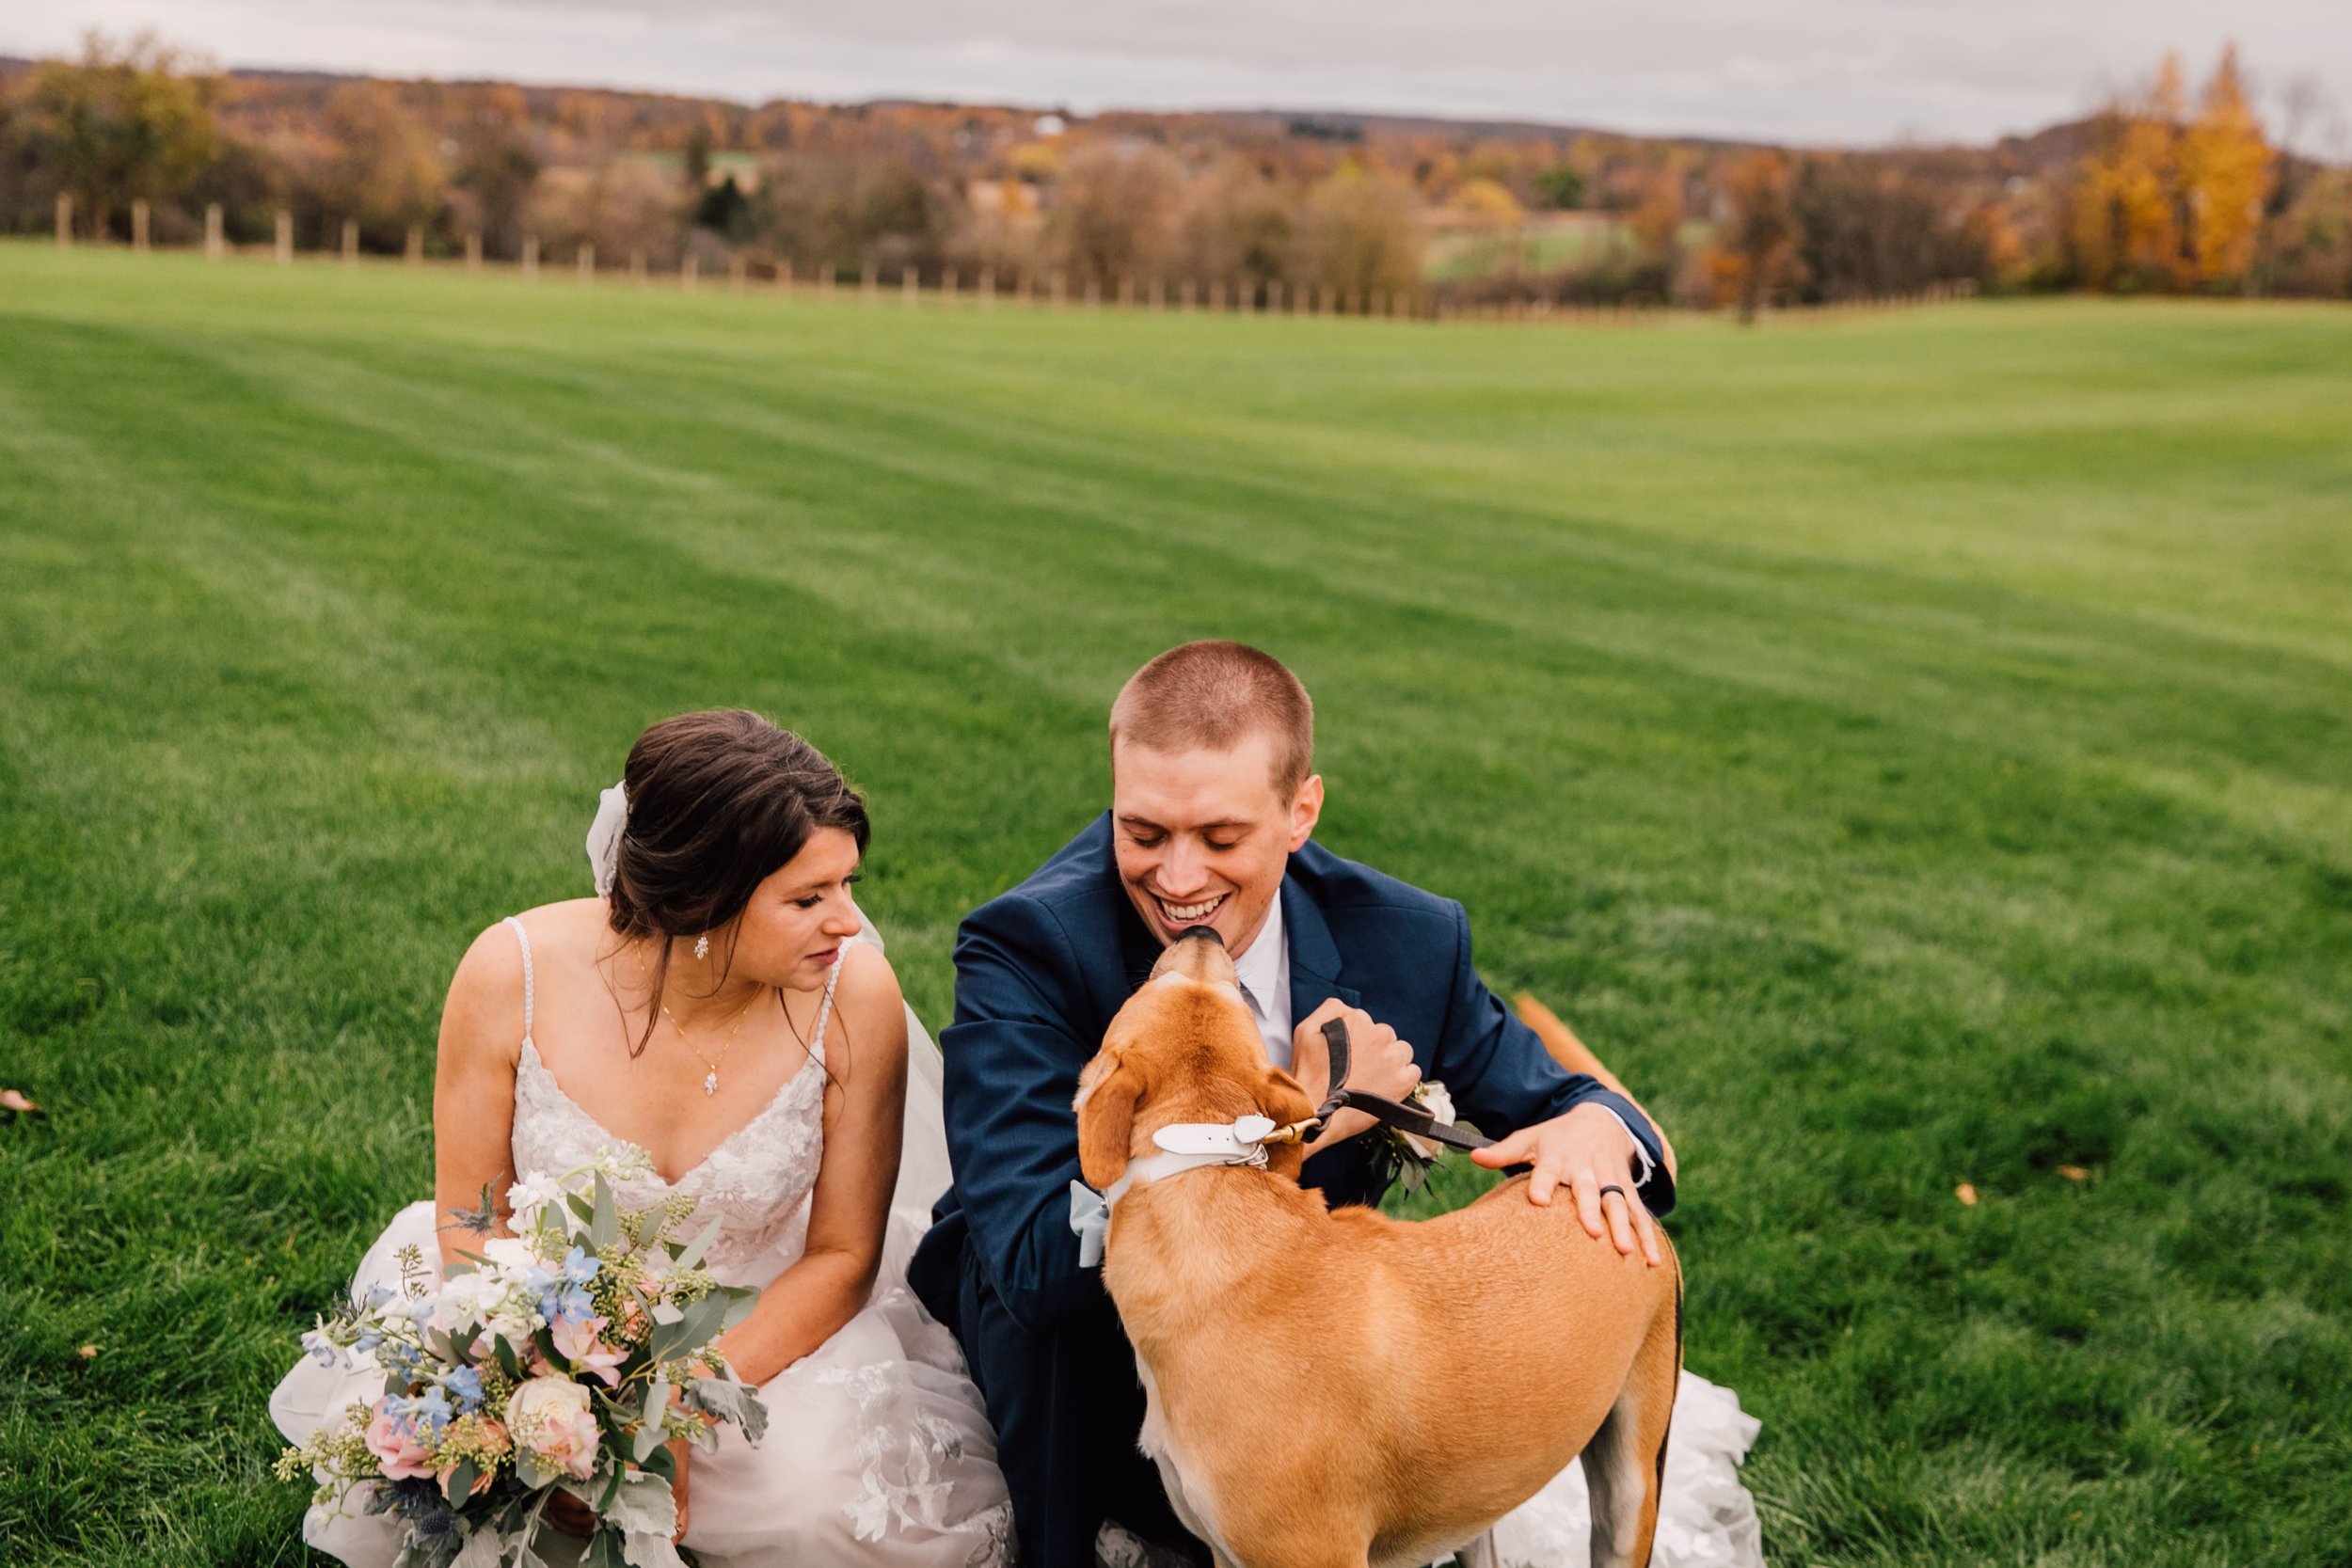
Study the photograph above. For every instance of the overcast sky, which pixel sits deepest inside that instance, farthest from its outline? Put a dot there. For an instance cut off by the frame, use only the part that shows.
(1798, 70)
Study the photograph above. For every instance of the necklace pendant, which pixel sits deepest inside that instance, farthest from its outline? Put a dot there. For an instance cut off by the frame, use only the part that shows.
(710, 1081)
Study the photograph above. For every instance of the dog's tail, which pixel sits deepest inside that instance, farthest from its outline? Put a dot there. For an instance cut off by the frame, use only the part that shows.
(1575, 1055)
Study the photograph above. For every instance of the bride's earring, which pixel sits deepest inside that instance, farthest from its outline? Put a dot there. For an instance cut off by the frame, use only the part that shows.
(702, 945)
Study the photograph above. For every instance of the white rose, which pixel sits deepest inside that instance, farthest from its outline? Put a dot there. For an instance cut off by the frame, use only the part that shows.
(459, 1302)
(1435, 1100)
(549, 1397)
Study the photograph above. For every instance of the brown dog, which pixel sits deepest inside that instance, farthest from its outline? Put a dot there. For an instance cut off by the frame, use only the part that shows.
(1338, 1389)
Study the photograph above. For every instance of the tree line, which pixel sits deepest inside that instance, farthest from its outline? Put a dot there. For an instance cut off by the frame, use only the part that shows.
(2163, 190)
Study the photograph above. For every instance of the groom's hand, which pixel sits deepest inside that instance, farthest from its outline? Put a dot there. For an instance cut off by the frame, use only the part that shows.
(1585, 1150)
(1377, 1061)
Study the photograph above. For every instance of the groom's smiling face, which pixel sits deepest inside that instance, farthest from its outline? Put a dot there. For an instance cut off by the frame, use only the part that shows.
(1204, 835)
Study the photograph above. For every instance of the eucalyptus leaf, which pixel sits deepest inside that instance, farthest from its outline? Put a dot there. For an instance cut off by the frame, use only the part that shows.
(695, 1249)
(665, 1313)
(605, 1228)
(604, 1551)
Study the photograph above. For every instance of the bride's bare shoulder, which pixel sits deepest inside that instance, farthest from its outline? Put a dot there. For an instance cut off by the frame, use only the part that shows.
(868, 999)
(486, 995)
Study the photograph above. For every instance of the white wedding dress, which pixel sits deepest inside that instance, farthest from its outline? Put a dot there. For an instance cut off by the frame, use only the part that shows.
(877, 1453)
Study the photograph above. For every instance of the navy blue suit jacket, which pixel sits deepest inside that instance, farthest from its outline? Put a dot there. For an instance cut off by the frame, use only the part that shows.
(1039, 972)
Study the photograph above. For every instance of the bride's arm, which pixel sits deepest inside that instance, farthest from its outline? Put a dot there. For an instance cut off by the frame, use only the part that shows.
(866, 1056)
(473, 1089)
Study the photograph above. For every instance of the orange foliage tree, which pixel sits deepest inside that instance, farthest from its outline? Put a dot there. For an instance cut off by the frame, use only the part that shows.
(1755, 252)
(2226, 173)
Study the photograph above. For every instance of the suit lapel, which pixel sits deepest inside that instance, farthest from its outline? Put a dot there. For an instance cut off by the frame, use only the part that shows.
(1314, 958)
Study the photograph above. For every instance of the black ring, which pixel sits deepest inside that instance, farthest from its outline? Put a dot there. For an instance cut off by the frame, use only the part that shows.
(1612, 1187)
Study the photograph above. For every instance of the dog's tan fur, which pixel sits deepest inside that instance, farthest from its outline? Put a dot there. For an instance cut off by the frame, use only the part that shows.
(1334, 1388)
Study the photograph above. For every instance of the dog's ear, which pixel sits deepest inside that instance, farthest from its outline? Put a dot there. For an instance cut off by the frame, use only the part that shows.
(1286, 1102)
(1108, 1093)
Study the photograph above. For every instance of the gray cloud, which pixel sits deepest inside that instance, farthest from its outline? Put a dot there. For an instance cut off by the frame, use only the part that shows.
(1788, 70)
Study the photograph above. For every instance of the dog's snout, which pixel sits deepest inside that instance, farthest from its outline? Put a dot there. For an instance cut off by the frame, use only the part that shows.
(1199, 954)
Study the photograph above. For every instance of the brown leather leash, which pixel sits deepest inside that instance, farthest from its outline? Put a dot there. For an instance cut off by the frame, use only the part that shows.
(1414, 1119)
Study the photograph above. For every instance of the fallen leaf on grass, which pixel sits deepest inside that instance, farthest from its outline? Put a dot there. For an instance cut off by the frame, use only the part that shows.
(1966, 1193)
(87, 1352)
(2074, 1173)
(13, 1100)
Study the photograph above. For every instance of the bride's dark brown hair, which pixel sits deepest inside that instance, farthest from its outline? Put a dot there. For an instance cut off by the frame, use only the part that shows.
(718, 802)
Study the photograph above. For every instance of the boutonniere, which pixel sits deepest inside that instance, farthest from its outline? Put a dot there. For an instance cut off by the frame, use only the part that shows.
(1415, 1155)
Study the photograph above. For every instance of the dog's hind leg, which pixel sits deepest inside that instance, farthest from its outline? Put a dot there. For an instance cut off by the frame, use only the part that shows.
(1625, 1464)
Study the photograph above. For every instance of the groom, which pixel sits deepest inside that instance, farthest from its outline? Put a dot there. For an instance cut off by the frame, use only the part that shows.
(1213, 801)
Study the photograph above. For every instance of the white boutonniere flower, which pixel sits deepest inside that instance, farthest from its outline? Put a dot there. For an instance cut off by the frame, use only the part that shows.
(1415, 1155)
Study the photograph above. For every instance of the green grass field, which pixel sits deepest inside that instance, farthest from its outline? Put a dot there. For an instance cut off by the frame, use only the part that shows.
(1912, 750)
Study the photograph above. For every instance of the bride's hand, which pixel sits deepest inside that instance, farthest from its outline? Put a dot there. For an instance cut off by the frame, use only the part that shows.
(570, 1515)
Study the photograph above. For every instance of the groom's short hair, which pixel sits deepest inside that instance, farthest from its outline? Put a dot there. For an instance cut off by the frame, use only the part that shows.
(1212, 694)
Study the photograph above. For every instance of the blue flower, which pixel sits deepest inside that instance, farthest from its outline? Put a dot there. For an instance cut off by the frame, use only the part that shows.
(566, 1304)
(466, 1384)
(368, 1339)
(318, 1348)
(579, 1268)
(425, 1415)
(378, 1296)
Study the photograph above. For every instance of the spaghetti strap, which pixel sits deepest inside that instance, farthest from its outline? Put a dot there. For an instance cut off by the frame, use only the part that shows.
(824, 1009)
(524, 937)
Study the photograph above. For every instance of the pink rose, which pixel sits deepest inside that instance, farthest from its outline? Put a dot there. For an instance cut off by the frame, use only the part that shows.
(549, 1420)
(394, 1444)
(578, 1342)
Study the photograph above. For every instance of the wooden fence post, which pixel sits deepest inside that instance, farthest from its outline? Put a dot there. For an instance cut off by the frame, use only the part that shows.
(736, 271)
(690, 272)
(413, 252)
(948, 285)
(65, 221)
(1094, 290)
(584, 262)
(214, 244)
(138, 225)
(909, 279)
(825, 281)
(285, 238)
(1274, 302)
(350, 241)
(530, 258)
(473, 250)
(784, 276)
(1062, 290)
(988, 288)
(1126, 291)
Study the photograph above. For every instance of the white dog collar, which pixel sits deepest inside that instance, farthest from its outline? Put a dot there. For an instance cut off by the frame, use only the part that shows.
(1183, 1146)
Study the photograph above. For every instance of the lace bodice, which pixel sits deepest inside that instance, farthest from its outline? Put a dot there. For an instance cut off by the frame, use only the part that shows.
(757, 1180)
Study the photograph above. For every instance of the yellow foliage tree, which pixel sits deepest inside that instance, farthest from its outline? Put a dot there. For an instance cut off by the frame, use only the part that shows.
(2126, 219)
(2225, 170)
(129, 121)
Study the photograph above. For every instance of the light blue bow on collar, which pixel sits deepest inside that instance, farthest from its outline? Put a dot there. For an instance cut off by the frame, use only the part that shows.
(1090, 1219)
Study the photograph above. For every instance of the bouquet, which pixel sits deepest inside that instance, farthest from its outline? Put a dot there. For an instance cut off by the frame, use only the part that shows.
(566, 1360)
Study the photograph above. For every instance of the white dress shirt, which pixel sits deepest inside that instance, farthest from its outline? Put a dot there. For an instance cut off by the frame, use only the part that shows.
(1264, 973)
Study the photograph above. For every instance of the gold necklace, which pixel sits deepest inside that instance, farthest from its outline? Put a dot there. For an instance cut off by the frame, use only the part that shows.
(710, 1079)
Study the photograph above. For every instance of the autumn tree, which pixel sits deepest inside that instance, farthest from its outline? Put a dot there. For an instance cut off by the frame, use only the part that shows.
(2225, 174)
(1755, 251)
(127, 120)
(1234, 222)
(1113, 211)
(1360, 232)
(2125, 228)
(385, 170)
(496, 164)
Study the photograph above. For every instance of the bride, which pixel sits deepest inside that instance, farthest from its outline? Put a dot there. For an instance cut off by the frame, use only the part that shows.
(724, 1006)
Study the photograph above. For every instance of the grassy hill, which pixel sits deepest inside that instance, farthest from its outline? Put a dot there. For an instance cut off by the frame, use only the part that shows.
(1911, 750)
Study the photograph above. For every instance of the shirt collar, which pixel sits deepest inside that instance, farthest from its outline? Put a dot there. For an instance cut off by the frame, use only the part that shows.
(1259, 969)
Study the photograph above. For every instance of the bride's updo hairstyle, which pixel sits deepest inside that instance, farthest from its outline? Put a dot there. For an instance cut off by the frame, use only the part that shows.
(718, 802)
